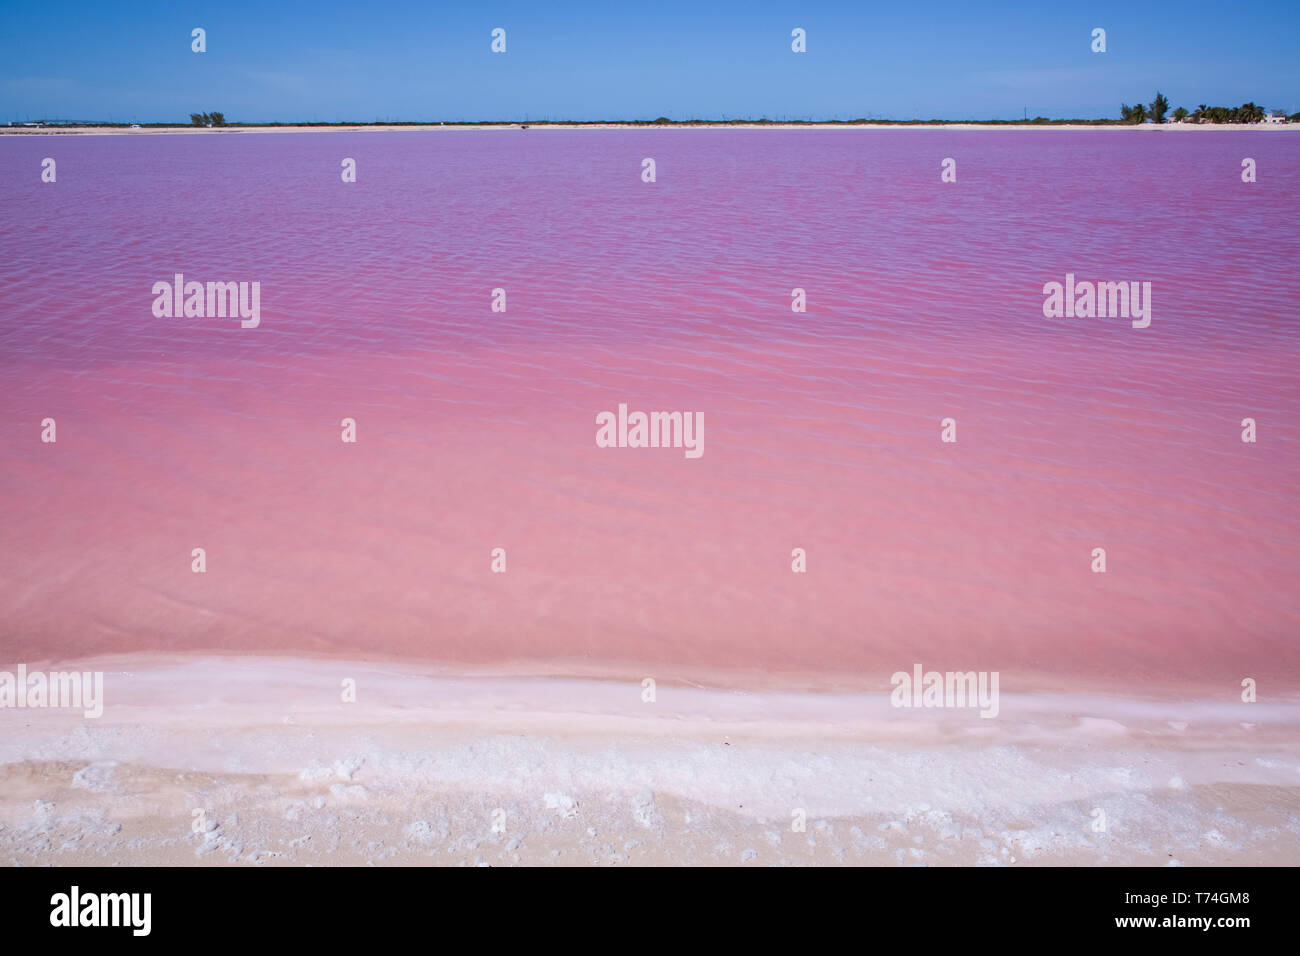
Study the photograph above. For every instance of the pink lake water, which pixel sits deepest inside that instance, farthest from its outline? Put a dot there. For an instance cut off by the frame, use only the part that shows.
(476, 430)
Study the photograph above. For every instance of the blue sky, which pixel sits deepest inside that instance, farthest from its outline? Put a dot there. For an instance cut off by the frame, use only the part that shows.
(335, 61)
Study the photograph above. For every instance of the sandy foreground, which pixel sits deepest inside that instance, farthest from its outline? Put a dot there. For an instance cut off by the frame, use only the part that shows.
(259, 761)
(117, 130)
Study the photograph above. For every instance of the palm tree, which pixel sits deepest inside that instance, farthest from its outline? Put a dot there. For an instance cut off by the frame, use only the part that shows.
(1159, 106)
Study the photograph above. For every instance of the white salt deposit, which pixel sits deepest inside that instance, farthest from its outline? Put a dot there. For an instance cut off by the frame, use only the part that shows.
(96, 777)
(423, 763)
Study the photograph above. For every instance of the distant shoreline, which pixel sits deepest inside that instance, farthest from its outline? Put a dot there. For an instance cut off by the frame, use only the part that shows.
(467, 127)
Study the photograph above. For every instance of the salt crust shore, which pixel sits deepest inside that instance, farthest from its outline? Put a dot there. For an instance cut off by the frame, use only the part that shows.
(429, 768)
(455, 127)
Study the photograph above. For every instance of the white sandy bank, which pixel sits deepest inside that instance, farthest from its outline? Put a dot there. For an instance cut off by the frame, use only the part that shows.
(677, 127)
(436, 768)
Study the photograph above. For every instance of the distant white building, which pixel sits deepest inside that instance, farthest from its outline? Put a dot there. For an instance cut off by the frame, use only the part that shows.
(1274, 119)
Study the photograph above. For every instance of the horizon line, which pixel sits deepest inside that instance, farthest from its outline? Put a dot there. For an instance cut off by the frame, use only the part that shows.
(661, 121)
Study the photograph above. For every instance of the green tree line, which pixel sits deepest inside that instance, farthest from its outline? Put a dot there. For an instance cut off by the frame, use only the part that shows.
(1158, 108)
